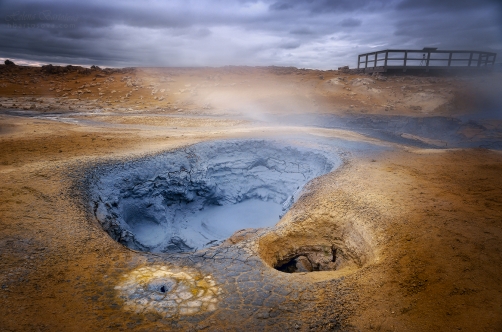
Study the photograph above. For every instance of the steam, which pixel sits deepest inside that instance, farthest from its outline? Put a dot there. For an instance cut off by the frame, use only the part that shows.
(487, 97)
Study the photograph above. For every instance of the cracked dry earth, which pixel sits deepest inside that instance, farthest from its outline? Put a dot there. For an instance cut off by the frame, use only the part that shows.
(412, 231)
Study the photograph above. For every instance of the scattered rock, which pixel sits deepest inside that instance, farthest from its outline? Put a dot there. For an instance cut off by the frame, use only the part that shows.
(379, 77)
(344, 69)
(362, 81)
(303, 264)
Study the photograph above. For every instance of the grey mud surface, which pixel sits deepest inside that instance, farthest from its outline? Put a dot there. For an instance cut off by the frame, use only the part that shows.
(200, 195)
(425, 132)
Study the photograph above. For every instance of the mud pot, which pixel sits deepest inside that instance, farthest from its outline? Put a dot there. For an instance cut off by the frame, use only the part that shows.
(200, 195)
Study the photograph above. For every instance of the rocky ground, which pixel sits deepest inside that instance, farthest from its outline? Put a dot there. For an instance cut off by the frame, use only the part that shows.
(416, 212)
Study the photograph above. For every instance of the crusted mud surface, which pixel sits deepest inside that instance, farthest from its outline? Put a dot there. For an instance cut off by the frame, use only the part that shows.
(200, 195)
(404, 236)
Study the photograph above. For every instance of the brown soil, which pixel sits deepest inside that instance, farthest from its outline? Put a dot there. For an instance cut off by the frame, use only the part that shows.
(420, 229)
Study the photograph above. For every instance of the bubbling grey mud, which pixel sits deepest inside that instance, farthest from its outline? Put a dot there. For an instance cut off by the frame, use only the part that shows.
(198, 196)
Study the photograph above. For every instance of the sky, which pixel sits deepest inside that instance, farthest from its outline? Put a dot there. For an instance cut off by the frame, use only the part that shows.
(319, 34)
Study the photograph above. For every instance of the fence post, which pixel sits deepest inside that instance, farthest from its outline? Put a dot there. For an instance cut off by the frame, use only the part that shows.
(405, 60)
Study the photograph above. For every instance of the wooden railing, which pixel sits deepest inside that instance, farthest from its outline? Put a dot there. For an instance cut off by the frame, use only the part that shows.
(382, 61)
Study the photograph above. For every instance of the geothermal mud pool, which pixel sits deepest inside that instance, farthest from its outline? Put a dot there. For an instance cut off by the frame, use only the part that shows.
(222, 235)
(198, 196)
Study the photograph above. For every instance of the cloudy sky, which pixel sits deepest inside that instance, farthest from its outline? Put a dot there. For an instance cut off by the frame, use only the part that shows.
(319, 34)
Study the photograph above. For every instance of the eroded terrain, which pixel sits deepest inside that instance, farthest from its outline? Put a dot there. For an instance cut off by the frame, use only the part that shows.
(404, 234)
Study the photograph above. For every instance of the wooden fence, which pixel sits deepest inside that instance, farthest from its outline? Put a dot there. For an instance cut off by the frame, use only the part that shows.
(426, 59)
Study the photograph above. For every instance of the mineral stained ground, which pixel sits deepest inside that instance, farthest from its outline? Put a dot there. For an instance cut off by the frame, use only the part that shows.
(411, 215)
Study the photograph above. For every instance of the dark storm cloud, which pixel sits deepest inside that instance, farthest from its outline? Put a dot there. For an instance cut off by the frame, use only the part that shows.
(469, 25)
(448, 5)
(351, 22)
(302, 33)
(290, 45)
(324, 6)
(281, 6)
